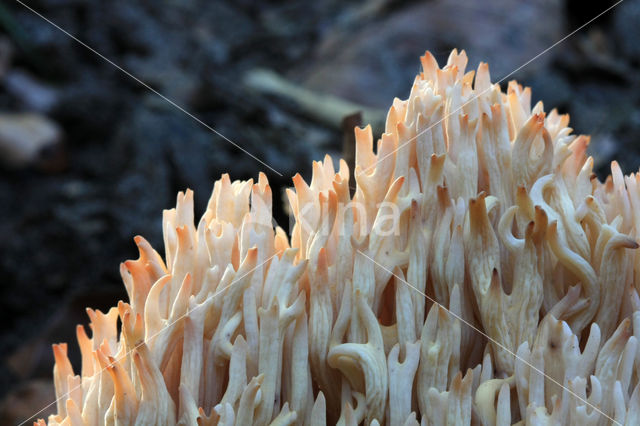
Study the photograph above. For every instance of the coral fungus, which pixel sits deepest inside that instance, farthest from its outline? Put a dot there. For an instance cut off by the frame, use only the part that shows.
(479, 274)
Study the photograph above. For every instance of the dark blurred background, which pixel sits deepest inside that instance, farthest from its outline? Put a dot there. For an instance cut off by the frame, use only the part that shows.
(89, 157)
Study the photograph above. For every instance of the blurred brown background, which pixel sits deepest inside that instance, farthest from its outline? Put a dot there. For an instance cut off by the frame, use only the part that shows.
(89, 158)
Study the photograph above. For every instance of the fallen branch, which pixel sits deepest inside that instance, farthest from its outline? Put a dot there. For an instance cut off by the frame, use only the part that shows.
(327, 109)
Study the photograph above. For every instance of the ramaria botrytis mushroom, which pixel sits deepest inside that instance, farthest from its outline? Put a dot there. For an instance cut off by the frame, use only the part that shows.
(472, 199)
